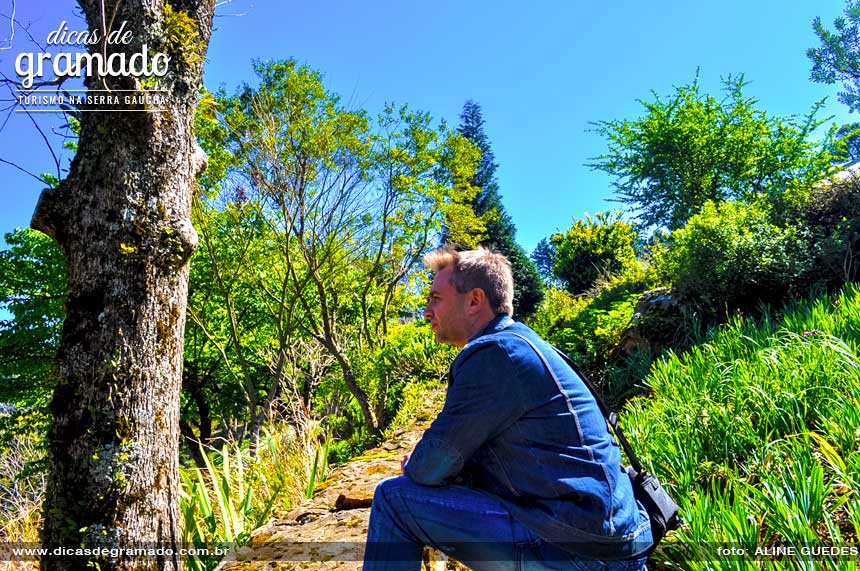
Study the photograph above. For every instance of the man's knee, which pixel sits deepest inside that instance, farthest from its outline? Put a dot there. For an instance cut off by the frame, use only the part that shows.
(389, 488)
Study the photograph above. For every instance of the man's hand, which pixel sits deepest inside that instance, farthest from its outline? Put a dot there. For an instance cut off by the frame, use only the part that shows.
(403, 462)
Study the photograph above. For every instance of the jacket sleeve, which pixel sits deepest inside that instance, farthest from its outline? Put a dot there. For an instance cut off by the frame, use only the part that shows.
(483, 399)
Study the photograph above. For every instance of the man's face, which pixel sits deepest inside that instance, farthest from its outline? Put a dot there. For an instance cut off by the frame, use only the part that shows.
(446, 310)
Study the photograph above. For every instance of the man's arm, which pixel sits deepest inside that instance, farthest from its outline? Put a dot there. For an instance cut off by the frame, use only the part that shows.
(483, 399)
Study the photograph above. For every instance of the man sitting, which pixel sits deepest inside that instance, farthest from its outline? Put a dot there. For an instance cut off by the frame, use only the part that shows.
(519, 470)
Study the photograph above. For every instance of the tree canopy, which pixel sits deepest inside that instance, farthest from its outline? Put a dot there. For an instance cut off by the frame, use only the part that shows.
(32, 291)
(691, 148)
(314, 222)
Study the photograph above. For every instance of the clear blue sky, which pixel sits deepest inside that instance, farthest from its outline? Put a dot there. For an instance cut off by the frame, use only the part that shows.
(540, 70)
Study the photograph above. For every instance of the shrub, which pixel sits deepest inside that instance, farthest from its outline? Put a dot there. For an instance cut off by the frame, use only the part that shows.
(832, 222)
(591, 247)
(557, 308)
(731, 257)
(410, 354)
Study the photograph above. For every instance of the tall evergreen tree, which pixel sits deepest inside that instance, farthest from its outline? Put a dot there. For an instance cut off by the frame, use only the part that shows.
(501, 232)
(837, 58)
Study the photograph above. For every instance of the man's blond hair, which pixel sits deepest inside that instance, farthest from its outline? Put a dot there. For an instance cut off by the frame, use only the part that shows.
(481, 268)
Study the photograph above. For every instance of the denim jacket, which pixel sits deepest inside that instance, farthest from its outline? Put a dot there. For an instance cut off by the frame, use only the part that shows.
(542, 447)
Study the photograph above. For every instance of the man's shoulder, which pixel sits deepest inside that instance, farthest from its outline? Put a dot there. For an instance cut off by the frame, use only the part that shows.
(515, 334)
(527, 350)
(510, 341)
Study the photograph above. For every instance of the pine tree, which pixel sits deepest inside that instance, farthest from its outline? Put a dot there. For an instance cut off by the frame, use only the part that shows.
(501, 232)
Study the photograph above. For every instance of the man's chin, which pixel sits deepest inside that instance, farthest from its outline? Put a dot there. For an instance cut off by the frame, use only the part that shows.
(447, 341)
(440, 337)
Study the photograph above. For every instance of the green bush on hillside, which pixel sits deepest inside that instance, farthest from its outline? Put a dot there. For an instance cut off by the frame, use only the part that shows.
(731, 257)
(831, 220)
(603, 245)
(408, 356)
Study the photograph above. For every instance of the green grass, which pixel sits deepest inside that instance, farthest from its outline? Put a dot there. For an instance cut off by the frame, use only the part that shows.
(237, 492)
(757, 434)
(220, 504)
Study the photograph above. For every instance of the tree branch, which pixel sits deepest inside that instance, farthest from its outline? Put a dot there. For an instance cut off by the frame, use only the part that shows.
(22, 169)
(11, 29)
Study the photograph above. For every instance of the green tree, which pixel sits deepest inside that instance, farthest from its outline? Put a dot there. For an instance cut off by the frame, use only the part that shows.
(591, 248)
(544, 256)
(457, 166)
(305, 161)
(838, 56)
(846, 144)
(32, 291)
(500, 230)
(347, 208)
(233, 354)
(691, 148)
(243, 353)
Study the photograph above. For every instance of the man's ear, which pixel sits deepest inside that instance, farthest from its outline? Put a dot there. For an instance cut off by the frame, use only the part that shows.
(477, 299)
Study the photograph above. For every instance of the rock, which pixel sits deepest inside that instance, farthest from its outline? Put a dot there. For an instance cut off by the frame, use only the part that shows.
(656, 322)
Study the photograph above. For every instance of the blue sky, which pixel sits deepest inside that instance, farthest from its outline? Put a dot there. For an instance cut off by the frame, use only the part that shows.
(540, 70)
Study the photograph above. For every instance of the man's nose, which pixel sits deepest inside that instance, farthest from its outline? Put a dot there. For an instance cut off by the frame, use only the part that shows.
(426, 312)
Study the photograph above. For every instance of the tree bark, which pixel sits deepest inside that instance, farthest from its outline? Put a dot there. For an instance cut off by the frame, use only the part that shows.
(122, 219)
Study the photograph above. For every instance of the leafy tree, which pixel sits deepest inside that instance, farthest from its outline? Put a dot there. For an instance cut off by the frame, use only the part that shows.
(240, 346)
(457, 166)
(32, 291)
(691, 148)
(846, 145)
(500, 230)
(302, 163)
(528, 288)
(838, 56)
(229, 340)
(592, 247)
(345, 211)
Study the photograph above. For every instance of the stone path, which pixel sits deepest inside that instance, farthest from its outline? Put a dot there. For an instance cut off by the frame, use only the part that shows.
(316, 536)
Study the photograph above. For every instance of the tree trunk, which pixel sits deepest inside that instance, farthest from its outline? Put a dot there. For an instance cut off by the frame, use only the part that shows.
(122, 219)
(370, 423)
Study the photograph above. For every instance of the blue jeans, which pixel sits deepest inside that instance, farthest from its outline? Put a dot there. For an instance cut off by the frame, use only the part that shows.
(466, 524)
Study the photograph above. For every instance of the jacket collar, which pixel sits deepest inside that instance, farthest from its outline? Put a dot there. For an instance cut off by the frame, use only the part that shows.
(500, 322)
